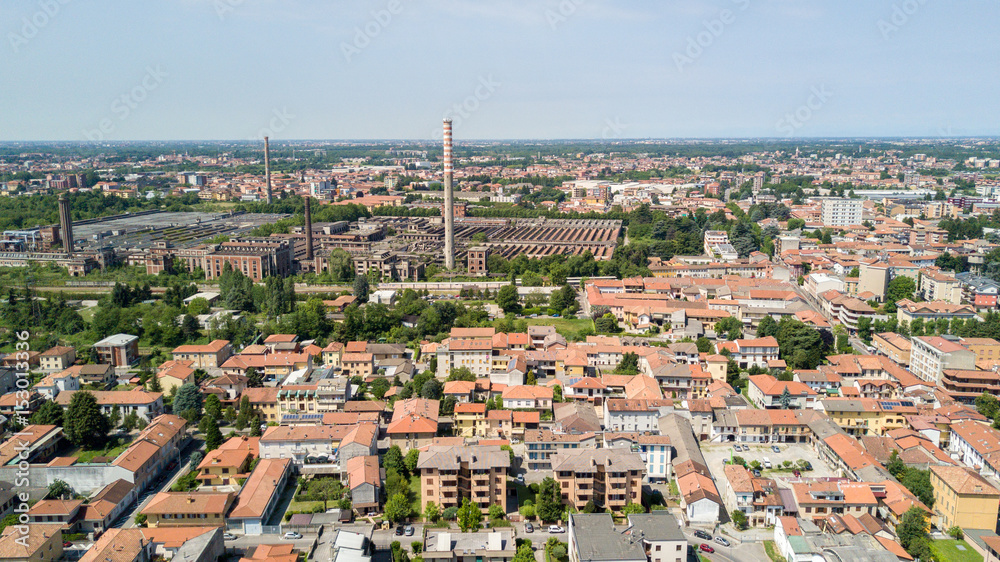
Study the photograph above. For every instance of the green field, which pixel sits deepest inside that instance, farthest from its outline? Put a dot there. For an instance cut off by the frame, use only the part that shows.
(772, 552)
(948, 550)
(567, 327)
(111, 449)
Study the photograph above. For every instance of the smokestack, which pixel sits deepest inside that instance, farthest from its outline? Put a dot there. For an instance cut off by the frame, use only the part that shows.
(66, 224)
(267, 167)
(309, 231)
(449, 201)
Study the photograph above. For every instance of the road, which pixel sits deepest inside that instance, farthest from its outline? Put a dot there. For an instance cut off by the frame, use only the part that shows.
(859, 346)
(737, 552)
(127, 520)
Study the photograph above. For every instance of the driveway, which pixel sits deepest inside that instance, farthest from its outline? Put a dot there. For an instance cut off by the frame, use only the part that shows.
(715, 453)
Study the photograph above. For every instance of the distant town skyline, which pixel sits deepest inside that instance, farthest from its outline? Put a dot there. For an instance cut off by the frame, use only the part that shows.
(504, 70)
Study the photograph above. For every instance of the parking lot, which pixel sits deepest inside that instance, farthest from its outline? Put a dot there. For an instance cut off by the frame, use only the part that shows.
(715, 453)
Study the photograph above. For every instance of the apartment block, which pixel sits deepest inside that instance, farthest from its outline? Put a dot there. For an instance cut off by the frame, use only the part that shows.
(930, 356)
(541, 444)
(840, 212)
(963, 498)
(450, 474)
(610, 477)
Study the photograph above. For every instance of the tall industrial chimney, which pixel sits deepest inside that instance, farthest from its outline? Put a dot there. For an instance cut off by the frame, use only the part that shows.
(66, 224)
(267, 167)
(449, 201)
(309, 231)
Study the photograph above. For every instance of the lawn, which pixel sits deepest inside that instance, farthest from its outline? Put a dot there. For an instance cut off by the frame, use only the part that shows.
(567, 327)
(111, 449)
(415, 492)
(772, 552)
(523, 493)
(674, 490)
(948, 550)
(305, 507)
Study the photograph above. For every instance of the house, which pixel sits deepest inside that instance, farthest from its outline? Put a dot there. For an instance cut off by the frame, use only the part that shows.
(57, 358)
(175, 374)
(482, 546)
(260, 495)
(624, 415)
(654, 450)
(31, 543)
(208, 356)
(893, 346)
(147, 405)
(611, 478)
(104, 508)
(699, 497)
(766, 391)
(120, 350)
(660, 534)
(101, 375)
(188, 508)
(534, 397)
(357, 365)
(264, 399)
(332, 353)
(55, 383)
(222, 467)
(461, 391)
(747, 352)
(593, 538)
(448, 475)
(414, 422)
(120, 545)
(364, 482)
(232, 386)
(963, 498)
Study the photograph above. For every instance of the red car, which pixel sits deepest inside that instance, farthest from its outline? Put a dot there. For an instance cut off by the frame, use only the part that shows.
(706, 548)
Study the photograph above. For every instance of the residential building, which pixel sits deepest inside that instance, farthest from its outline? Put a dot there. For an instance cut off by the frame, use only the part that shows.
(101, 375)
(938, 286)
(660, 534)
(482, 546)
(624, 415)
(757, 352)
(222, 467)
(120, 350)
(260, 495)
(450, 474)
(765, 391)
(175, 374)
(611, 478)
(364, 482)
(187, 508)
(840, 212)
(534, 397)
(893, 346)
(976, 444)
(41, 543)
(540, 445)
(208, 356)
(593, 538)
(121, 545)
(57, 358)
(963, 498)
(931, 355)
(654, 450)
(147, 405)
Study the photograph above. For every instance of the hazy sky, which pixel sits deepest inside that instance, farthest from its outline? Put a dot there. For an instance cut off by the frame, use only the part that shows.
(302, 69)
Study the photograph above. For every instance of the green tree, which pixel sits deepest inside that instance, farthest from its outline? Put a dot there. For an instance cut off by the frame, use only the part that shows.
(895, 466)
(340, 266)
(633, 508)
(246, 411)
(229, 414)
(397, 508)
(739, 519)
(255, 424)
(154, 383)
(254, 379)
(59, 490)
(49, 413)
(188, 398)
(919, 482)
(325, 490)
(379, 387)
(912, 533)
(469, 516)
(704, 344)
(507, 299)
(629, 365)
(361, 288)
(548, 501)
(213, 437)
(496, 512)
(411, 459)
(131, 421)
(85, 425)
(865, 328)
(987, 405)
(431, 390)
(767, 327)
(432, 513)
(901, 287)
(213, 407)
(393, 460)
(461, 374)
(785, 399)
(198, 306)
(525, 553)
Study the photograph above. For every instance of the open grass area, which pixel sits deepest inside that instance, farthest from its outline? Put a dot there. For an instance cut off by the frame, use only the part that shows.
(306, 506)
(415, 493)
(111, 449)
(567, 327)
(523, 493)
(772, 552)
(949, 550)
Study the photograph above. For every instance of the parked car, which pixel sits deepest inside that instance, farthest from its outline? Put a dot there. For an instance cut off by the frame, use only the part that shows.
(291, 535)
(809, 465)
(67, 544)
(796, 473)
(702, 535)
(776, 448)
(722, 541)
(706, 548)
(408, 531)
(767, 463)
(529, 528)
(756, 473)
(556, 529)
(737, 448)
(399, 530)
(228, 536)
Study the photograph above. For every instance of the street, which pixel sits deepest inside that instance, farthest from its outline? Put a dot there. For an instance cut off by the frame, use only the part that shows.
(127, 520)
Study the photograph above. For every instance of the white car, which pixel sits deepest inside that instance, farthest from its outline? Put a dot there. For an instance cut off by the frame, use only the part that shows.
(292, 535)
(556, 529)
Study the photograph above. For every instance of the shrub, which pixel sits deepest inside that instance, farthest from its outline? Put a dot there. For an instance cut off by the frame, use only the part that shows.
(956, 533)
(450, 514)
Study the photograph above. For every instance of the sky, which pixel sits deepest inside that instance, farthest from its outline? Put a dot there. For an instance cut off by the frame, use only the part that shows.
(501, 69)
